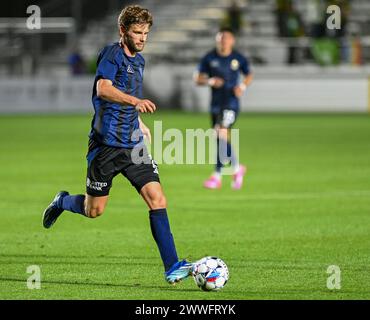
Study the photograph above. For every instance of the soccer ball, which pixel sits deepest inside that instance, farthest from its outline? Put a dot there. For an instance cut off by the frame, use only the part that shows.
(210, 273)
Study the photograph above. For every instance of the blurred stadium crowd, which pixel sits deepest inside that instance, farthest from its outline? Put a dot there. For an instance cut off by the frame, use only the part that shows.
(270, 32)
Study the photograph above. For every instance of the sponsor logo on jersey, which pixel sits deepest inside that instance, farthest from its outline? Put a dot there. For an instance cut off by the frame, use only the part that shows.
(130, 69)
(234, 64)
(215, 63)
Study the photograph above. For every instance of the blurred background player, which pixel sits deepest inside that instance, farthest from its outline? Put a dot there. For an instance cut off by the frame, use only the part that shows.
(220, 69)
(117, 100)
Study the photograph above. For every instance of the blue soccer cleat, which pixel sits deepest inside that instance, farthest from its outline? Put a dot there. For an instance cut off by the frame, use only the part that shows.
(179, 271)
(52, 212)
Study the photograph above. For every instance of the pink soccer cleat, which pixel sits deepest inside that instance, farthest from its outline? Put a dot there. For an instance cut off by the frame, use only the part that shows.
(212, 183)
(238, 178)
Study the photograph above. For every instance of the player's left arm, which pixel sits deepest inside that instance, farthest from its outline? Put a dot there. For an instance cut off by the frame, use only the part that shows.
(242, 86)
(145, 130)
(247, 80)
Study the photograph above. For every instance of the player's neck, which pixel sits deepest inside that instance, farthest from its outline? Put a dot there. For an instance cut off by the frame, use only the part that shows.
(127, 50)
(224, 53)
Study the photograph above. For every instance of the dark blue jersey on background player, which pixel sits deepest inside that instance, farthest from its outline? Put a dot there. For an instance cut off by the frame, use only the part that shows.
(117, 101)
(220, 69)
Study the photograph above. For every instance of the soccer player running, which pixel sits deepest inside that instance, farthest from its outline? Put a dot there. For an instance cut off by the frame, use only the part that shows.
(117, 101)
(220, 69)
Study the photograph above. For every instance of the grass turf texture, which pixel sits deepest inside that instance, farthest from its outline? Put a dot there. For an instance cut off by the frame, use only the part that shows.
(305, 206)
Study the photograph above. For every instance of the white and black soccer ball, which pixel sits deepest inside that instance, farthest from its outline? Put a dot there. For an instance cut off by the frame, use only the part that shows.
(210, 273)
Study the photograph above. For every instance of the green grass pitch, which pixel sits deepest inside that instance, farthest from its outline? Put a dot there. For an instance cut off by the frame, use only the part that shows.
(305, 206)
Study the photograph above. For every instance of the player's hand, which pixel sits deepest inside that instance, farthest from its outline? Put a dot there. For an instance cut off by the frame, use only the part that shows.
(239, 90)
(216, 82)
(146, 132)
(145, 106)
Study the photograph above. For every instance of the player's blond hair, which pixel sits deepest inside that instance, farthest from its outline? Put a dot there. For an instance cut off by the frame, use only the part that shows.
(134, 14)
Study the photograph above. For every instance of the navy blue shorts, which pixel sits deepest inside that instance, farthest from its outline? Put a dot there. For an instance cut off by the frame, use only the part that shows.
(226, 118)
(105, 162)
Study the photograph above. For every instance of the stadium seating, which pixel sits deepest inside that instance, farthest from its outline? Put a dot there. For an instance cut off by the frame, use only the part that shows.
(179, 23)
(188, 27)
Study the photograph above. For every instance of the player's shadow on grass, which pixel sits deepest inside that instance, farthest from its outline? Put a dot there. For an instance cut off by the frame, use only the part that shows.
(247, 294)
(47, 259)
(105, 284)
(86, 259)
(63, 259)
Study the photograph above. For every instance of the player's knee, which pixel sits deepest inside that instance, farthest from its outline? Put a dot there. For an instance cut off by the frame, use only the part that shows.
(94, 212)
(159, 201)
(222, 133)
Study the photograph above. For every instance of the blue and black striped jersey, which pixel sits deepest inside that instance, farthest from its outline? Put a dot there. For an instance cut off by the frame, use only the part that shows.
(113, 124)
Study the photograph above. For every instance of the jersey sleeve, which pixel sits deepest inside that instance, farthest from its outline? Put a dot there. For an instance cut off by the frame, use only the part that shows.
(244, 66)
(108, 66)
(203, 66)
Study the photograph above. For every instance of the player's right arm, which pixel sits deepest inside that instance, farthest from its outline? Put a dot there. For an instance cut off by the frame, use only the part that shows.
(202, 79)
(105, 90)
(202, 75)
